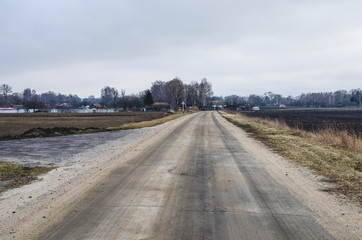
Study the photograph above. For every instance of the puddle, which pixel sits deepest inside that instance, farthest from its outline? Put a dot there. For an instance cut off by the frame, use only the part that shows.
(59, 151)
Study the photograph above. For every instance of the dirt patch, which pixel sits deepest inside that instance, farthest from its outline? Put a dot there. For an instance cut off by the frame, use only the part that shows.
(56, 131)
(13, 126)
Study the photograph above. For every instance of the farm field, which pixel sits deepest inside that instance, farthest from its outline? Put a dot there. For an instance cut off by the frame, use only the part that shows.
(17, 124)
(316, 120)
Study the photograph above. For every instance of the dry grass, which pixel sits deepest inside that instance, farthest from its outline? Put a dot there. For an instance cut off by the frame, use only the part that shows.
(337, 164)
(338, 139)
(331, 137)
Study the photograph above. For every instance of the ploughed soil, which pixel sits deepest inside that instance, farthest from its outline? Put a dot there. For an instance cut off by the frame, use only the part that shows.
(15, 126)
(315, 120)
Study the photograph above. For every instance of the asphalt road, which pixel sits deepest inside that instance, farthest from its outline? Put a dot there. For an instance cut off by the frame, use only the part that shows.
(196, 183)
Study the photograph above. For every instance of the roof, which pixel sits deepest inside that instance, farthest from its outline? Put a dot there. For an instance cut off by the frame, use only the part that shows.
(161, 103)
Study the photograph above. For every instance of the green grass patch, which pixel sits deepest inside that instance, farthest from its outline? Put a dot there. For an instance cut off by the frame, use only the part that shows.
(16, 175)
(337, 165)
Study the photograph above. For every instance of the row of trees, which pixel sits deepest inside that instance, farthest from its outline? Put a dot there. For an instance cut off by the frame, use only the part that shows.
(111, 97)
(173, 92)
(340, 98)
(31, 100)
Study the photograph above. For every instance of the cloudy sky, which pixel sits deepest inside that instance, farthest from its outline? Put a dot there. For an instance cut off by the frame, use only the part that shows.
(241, 46)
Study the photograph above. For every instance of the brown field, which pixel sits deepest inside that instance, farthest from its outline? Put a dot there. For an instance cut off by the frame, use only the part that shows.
(316, 120)
(334, 127)
(16, 124)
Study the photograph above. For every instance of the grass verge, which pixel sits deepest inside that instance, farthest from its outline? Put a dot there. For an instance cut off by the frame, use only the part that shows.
(16, 175)
(341, 167)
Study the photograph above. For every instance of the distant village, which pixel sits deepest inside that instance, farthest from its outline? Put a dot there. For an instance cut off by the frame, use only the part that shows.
(94, 108)
(172, 95)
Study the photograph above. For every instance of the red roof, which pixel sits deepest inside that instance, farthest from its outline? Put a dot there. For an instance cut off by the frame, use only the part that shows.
(161, 103)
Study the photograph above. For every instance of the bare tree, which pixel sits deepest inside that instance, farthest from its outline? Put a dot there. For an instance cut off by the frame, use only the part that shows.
(191, 93)
(255, 100)
(122, 102)
(234, 101)
(175, 91)
(49, 98)
(5, 90)
(109, 96)
(27, 95)
(123, 93)
(204, 93)
(356, 96)
(30, 99)
(158, 91)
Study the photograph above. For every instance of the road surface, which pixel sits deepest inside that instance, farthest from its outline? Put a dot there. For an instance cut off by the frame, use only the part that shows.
(197, 182)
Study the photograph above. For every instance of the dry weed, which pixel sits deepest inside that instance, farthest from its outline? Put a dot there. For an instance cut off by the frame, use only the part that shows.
(338, 139)
(331, 137)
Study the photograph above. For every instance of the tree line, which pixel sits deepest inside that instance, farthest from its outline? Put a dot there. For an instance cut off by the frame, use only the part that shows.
(172, 92)
(340, 98)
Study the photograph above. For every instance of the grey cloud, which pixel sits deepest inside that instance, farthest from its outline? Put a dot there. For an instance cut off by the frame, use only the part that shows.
(216, 39)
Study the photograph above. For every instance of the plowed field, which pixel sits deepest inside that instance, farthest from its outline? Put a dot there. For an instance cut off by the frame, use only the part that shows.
(17, 124)
(315, 120)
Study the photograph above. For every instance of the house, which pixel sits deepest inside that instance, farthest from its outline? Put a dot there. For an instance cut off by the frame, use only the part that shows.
(159, 106)
(8, 110)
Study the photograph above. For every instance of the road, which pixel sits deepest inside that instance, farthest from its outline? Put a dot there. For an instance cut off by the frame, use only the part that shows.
(195, 183)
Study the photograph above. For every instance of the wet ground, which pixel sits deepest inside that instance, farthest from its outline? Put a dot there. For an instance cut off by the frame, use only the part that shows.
(54, 151)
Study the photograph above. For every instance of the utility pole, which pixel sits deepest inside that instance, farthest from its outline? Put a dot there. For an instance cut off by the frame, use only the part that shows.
(183, 106)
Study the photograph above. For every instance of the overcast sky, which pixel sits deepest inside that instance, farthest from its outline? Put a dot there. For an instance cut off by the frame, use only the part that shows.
(242, 46)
